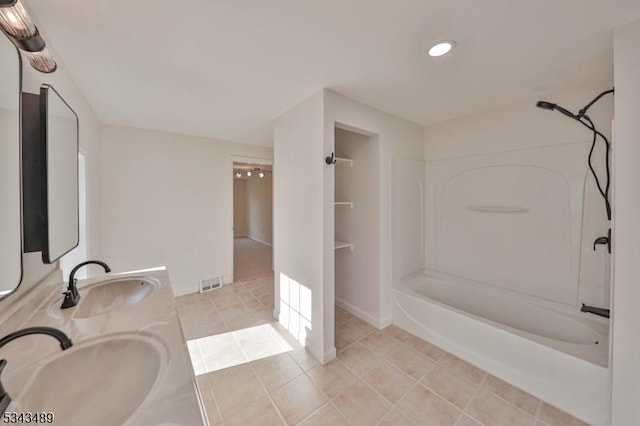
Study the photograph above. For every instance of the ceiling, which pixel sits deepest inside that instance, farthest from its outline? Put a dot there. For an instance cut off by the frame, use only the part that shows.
(225, 69)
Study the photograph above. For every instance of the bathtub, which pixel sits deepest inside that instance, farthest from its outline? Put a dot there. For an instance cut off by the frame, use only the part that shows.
(554, 352)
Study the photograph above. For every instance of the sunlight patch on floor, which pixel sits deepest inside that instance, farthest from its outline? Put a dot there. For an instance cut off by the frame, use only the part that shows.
(224, 350)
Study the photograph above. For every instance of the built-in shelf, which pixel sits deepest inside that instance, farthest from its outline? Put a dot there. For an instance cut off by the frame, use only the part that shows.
(342, 244)
(344, 162)
(347, 204)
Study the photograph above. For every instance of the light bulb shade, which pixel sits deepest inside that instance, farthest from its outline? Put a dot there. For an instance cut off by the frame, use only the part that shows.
(248, 174)
(261, 174)
(42, 61)
(441, 48)
(15, 20)
(238, 175)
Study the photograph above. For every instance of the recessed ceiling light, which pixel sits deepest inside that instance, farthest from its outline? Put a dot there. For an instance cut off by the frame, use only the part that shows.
(441, 48)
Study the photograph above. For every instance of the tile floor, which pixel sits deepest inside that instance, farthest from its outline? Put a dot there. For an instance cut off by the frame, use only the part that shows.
(251, 372)
(251, 259)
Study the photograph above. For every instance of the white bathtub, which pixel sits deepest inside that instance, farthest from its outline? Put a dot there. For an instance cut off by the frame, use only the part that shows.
(555, 353)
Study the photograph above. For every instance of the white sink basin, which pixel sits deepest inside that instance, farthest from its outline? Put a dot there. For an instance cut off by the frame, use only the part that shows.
(107, 296)
(101, 382)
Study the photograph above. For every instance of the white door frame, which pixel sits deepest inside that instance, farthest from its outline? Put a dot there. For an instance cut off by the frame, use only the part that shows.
(228, 279)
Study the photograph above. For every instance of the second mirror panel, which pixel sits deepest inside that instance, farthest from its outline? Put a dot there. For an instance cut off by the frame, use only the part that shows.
(60, 132)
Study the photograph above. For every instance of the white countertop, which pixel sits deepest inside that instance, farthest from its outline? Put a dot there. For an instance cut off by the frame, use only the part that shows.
(173, 398)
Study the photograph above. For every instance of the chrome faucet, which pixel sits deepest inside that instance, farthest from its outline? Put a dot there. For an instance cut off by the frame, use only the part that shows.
(71, 296)
(65, 343)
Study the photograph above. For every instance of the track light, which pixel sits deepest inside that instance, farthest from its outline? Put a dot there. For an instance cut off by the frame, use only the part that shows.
(16, 23)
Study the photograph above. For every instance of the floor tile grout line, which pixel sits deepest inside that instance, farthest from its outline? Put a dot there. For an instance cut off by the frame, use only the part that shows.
(538, 410)
(510, 403)
(268, 393)
(476, 392)
(479, 386)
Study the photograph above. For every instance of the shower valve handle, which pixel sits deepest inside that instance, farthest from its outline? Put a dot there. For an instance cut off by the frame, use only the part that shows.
(604, 240)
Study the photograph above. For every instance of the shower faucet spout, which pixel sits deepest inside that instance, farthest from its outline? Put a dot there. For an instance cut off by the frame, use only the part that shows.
(603, 312)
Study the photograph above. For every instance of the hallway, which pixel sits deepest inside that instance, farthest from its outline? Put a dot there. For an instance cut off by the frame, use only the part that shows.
(252, 259)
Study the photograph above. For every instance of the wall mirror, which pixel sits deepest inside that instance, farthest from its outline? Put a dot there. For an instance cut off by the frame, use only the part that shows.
(10, 213)
(59, 130)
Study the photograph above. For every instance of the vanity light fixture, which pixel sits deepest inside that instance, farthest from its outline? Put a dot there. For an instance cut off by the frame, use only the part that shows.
(238, 175)
(18, 26)
(261, 174)
(249, 173)
(441, 48)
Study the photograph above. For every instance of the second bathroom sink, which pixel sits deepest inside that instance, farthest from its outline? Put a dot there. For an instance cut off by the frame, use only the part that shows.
(101, 382)
(106, 296)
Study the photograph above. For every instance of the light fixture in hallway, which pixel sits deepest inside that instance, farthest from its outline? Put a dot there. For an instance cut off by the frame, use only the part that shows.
(241, 172)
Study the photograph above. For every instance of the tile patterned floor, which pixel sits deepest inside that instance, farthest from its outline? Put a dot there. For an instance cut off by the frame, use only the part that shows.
(251, 259)
(251, 372)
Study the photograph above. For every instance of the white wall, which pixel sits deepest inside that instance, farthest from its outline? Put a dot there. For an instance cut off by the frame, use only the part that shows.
(240, 213)
(304, 209)
(166, 200)
(407, 216)
(356, 282)
(397, 138)
(260, 208)
(298, 234)
(626, 232)
(523, 126)
(520, 125)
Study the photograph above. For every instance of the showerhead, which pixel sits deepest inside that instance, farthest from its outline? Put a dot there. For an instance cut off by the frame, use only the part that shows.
(546, 105)
(554, 107)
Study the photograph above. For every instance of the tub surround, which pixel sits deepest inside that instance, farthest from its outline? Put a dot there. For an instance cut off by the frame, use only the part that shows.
(143, 327)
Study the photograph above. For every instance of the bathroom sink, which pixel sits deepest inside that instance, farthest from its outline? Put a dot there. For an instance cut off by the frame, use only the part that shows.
(102, 382)
(106, 296)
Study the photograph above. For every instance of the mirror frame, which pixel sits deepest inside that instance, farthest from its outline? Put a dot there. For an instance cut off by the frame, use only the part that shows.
(44, 96)
(20, 169)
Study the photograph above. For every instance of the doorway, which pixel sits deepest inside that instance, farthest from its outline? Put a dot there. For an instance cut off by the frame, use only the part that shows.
(252, 220)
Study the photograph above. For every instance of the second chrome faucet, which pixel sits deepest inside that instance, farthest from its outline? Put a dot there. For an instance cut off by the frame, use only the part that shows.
(71, 296)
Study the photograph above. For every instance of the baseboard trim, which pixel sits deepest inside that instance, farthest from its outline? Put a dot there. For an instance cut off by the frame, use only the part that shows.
(329, 355)
(378, 323)
(322, 357)
(257, 240)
